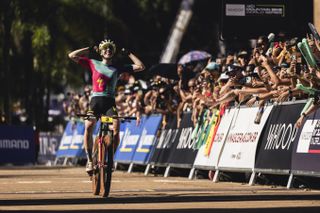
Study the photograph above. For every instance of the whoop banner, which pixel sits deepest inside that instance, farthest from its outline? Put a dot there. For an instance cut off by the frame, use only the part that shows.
(211, 161)
(183, 153)
(242, 140)
(165, 142)
(306, 149)
(277, 140)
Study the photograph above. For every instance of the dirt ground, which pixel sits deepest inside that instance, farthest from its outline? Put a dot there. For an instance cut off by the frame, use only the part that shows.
(66, 189)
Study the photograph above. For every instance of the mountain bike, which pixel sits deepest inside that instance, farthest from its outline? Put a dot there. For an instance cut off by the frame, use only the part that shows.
(102, 153)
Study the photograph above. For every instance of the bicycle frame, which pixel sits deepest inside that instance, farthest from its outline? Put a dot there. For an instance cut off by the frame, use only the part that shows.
(105, 124)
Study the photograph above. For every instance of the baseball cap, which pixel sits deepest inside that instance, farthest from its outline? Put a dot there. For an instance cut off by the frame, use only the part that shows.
(212, 66)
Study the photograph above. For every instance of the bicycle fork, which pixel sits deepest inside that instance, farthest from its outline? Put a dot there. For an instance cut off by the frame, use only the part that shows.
(100, 156)
(102, 144)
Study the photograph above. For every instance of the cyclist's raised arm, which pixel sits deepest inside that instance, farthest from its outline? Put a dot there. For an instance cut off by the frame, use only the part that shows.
(75, 55)
(137, 65)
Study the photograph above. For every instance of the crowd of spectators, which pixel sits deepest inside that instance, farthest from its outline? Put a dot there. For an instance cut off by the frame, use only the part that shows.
(270, 72)
(77, 103)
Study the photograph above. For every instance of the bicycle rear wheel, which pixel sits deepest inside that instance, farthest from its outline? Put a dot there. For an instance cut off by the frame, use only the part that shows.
(106, 171)
(96, 171)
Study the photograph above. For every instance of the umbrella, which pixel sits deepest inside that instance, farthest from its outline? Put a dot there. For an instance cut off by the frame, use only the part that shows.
(193, 56)
(167, 70)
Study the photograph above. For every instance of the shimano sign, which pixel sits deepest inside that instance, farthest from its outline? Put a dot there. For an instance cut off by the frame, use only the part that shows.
(14, 144)
(17, 145)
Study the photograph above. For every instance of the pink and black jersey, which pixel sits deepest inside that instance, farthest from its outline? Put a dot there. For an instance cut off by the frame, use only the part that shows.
(104, 77)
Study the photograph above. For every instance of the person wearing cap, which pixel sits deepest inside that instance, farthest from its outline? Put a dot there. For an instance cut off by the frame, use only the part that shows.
(213, 69)
(85, 100)
(104, 79)
(242, 58)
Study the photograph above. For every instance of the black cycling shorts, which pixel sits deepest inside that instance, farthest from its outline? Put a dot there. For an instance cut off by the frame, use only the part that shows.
(103, 105)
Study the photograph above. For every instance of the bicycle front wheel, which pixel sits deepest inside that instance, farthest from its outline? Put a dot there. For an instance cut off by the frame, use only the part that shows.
(106, 171)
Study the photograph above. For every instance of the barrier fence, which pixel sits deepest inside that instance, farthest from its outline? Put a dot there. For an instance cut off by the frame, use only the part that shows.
(228, 141)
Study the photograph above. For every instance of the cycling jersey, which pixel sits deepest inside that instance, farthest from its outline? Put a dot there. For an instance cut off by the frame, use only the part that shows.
(104, 76)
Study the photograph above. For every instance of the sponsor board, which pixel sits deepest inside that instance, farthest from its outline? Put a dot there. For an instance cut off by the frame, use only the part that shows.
(17, 145)
(183, 150)
(147, 140)
(129, 140)
(306, 148)
(48, 146)
(211, 160)
(165, 142)
(241, 143)
(265, 10)
(309, 140)
(278, 138)
(71, 144)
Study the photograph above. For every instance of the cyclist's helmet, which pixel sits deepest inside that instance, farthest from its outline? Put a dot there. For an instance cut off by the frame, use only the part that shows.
(107, 43)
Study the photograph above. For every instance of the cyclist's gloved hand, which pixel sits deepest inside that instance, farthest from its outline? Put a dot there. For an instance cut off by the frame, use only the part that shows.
(125, 51)
(94, 48)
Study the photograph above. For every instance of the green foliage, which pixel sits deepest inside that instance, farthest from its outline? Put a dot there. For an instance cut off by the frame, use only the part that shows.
(40, 38)
(44, 32)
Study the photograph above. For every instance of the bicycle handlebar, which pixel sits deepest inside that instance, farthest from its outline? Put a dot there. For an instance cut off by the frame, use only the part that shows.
(87, 116)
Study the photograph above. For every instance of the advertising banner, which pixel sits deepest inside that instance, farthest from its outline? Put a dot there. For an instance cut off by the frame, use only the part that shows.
(123, 127)
(76, 145)
(275, 149)
(17, 145)
(147, 140)
(211, 160)
(215, 122)
(202, 129)
(129, 141)
(242, 140)
(306, 148)
(66, 140)
(49, 144)
(71, 144)
(165, 143)
(183, 152)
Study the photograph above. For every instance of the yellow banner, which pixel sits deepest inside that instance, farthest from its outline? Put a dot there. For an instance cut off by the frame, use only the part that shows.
(214, 120)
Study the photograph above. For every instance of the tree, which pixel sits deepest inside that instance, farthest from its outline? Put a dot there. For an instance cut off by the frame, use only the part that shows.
(37, 35)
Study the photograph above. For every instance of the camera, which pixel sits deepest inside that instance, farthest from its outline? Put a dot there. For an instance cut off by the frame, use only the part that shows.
(250, 68)
(253, 75)
(292, 42)
(233, 70)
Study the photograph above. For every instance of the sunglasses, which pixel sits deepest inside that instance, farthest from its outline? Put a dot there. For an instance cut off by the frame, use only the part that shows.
(106, 47)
